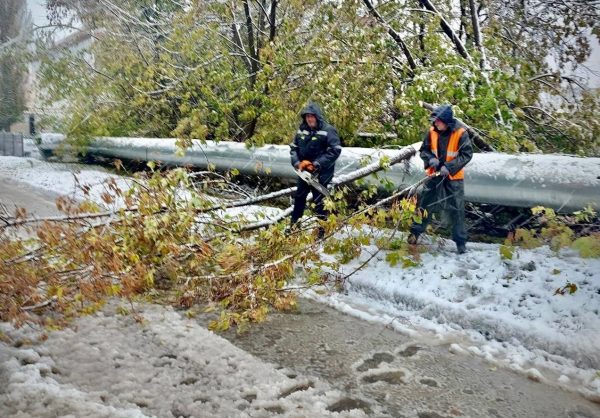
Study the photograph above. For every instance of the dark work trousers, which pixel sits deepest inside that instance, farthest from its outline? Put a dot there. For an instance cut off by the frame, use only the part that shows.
(442, 194)
(302, 193)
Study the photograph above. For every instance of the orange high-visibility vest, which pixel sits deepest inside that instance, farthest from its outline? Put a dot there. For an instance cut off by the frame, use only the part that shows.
(451, 152)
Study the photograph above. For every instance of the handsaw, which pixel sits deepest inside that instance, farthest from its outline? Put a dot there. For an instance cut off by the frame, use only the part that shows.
(313, 182)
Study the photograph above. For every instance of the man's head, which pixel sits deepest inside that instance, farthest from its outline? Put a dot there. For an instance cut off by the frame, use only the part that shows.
(312, 116)
(311, 120)
(442, 117)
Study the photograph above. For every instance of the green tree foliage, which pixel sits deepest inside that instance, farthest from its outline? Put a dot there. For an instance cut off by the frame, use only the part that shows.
(242, 70)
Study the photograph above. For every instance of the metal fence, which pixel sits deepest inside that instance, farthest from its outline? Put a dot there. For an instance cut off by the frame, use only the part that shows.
(11, 144)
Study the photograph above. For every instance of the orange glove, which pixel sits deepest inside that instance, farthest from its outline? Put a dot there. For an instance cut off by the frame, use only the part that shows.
(304, 164)
(310, 168)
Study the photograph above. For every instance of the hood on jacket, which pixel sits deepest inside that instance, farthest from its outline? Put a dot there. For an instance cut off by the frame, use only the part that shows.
(443, 113)
(313, 109)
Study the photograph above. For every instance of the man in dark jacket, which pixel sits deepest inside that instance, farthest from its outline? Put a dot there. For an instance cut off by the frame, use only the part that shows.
(315, 148)
(446, 149)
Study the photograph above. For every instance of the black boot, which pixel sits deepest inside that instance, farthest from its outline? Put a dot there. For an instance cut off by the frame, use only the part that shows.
(291, 229)
(412, 239)
(461, 248)
(320, 232)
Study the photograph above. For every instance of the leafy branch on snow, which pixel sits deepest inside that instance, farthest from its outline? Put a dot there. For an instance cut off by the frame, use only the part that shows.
(159, 237)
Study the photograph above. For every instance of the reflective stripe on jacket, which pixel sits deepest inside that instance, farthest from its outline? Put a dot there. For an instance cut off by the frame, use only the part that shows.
(451, 152)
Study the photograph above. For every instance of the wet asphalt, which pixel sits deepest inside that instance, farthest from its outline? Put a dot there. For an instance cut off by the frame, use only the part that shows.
(387, 374)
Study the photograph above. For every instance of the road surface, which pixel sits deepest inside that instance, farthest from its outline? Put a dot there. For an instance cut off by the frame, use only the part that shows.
(380, 371)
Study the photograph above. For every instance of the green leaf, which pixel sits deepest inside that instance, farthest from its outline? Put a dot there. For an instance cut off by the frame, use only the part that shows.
(506, 252)
(409, 262)
(392, 258)
(588, 247)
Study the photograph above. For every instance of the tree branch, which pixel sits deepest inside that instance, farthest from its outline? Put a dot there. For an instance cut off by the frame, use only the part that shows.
(408, 190)
(448, 30)
(395, 35)
(237, 41)
(477, 34)
(402, 155)
(272, 20)
(251, 41)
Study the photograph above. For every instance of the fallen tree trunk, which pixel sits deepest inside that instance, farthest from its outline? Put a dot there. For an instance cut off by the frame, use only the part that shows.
(403, 154)
(407, 191)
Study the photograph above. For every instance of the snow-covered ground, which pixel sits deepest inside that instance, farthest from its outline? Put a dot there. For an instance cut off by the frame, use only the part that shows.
(505, 311)
(60, 178)
(168, 367)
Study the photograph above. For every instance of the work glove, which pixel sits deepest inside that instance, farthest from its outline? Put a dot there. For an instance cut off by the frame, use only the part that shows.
(304, 164)
(311, 168)
(444, 171)
(433, 163)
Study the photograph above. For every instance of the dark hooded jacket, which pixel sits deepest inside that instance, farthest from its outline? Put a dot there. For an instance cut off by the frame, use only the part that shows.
(320, 145)
(465, 148)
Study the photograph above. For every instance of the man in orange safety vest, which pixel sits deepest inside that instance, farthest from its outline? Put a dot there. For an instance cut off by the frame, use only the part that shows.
(446, 149)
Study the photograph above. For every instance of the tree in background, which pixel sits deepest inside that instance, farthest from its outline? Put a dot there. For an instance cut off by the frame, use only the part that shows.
(504, 66)
(14, 21)
(216, 70)
(242, 70)
(543, 45)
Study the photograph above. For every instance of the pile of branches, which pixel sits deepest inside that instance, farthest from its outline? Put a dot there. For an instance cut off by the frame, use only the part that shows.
(168, 236)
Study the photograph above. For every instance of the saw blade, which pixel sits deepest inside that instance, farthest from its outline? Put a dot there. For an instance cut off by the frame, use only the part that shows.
(313, 182)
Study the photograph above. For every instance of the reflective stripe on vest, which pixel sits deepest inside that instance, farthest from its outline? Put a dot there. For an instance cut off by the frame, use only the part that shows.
(451, 152)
